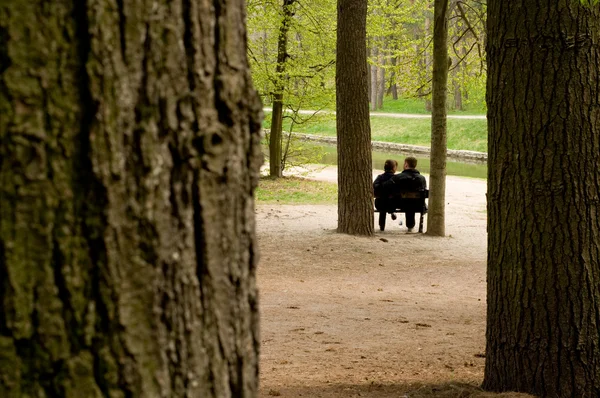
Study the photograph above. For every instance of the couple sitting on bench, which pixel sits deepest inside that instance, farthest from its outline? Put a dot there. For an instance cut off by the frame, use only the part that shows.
(405, 192)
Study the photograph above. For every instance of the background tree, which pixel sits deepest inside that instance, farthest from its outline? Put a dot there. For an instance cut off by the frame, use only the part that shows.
(390, 31)
(275, 137)
(292, 53)
(436, 218)
(543, 97)
(355, 186)
(466, 35)
(399, 34)
(129, 150)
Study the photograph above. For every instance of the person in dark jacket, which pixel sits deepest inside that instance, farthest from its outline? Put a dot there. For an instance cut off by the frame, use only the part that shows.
(409, 180)
(382, 202)
(389, 169)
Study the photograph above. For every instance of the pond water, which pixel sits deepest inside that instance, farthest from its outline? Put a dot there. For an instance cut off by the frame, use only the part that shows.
(455, 168)
(476, 170)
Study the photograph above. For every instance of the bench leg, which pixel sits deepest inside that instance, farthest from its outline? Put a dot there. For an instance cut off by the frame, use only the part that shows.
(421, 224)
(382, 216)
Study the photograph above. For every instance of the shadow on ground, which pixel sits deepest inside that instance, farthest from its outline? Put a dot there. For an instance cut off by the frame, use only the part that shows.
(374, 390)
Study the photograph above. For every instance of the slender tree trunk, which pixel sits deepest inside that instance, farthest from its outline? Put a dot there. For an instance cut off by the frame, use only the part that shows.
(456, 79)
(458, 105)
(265, 56)
(275, 136)
(543, 95)
(381, 83)
(426, 59)
(436, 219)
(374, 79)
(129, 153)
(369, 85)
(355, 187)
(393, 91)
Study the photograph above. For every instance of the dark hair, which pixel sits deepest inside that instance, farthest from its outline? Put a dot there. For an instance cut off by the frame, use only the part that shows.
(390, 165)
(411, 162)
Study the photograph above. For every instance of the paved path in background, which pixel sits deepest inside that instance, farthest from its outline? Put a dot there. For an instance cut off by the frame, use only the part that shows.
(392, 115)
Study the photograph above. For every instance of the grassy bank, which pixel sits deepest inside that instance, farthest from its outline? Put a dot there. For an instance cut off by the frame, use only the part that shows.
(417, 106)
(465, 134)
(294, 190)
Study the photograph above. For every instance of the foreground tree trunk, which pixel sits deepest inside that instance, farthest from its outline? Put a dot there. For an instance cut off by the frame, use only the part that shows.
(543, 327)
(275, 136)
(129, 152)
(355, 186)
(436, 217)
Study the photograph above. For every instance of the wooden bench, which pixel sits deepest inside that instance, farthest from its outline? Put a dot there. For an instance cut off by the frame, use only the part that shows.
(412, 201)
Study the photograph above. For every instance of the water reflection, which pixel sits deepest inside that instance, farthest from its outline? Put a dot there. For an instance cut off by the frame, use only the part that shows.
(461, 169)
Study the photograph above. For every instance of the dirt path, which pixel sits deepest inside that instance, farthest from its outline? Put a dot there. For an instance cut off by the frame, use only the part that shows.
(397, 315)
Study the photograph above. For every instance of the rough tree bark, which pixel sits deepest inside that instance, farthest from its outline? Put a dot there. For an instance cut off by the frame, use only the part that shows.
(275, 136)
(543, 96)
(436, 217)
(129, 151)
(355, 187)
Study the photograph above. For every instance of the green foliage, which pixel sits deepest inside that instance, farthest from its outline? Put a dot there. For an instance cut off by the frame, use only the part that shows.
(309, 77)
(294, 190)
(400, 34)
(396, 31)
(400, 30)
(466, 33)
(306, 77)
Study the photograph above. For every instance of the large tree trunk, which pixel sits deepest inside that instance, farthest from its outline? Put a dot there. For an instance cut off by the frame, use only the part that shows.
(543, 327)
(355, 187)
(275, 136)
(436, 224)
(129, 150)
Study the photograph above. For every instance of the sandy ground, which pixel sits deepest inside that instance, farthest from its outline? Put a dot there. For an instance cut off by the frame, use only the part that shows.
(397, 315)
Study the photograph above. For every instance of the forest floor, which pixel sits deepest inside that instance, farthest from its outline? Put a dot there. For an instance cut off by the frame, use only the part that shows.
(396, 315)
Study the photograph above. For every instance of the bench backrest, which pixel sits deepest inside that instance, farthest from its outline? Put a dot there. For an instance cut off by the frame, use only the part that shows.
(411, 200)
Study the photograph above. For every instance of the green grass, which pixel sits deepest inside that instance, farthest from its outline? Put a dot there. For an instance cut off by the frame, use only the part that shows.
(408, 105)
(417, 106)
(465, 134)
(403, 105)
(294, 190)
